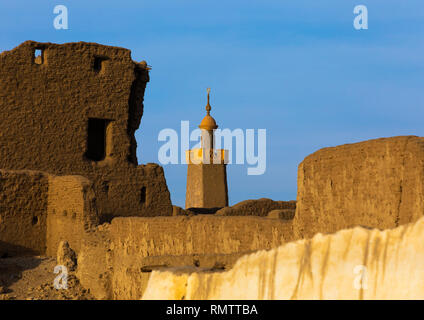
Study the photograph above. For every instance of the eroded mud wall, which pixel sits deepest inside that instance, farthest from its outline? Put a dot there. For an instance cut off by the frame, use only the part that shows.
(351, 264)
(376, 183)
(72, 211)
(23, 212)
(73, 110)
(136, 246)
(38, 210)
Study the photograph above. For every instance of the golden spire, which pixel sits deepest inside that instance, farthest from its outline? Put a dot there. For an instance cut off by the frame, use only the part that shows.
(208, 106)
(208, 123)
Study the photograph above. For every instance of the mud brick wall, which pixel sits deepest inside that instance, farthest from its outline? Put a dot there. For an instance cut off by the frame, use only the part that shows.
(199, 241)
(377, 183)
(73, 110)
(197, 235)
(23, 212)
(72, 211)
(38, 210)
(259, 207)
(126, 251)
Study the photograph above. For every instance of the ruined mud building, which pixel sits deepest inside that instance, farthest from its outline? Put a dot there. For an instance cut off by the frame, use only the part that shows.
(68, 171)
(73, 111)
(67, 148)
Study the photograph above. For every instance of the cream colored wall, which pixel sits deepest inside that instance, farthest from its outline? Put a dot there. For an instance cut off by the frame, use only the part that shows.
(351, 264)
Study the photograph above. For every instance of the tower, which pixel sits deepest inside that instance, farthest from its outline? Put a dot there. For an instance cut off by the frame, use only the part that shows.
(206, 171)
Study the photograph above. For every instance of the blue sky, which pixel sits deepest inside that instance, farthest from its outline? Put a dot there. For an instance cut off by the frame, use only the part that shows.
(296, 68)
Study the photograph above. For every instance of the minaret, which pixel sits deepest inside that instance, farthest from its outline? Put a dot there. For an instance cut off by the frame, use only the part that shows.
(206, 172)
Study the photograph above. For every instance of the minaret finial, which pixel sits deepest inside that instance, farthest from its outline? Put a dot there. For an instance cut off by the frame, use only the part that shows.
(208, 106)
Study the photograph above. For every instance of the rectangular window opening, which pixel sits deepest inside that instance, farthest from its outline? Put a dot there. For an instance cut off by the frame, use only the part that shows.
(143, 195)
(96, 139)
(98, 63)
(39, 56)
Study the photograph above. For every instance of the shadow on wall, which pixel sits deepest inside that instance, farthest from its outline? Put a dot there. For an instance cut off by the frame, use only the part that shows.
(8, 250)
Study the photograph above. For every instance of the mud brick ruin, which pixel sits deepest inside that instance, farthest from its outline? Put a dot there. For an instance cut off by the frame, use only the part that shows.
(68, 152)
(73, 111)
(69, 172)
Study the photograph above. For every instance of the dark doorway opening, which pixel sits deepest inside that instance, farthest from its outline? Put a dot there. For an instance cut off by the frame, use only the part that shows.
(96, 139)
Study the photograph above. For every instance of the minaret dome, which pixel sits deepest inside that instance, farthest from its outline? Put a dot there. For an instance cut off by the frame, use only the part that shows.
(208, 123)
